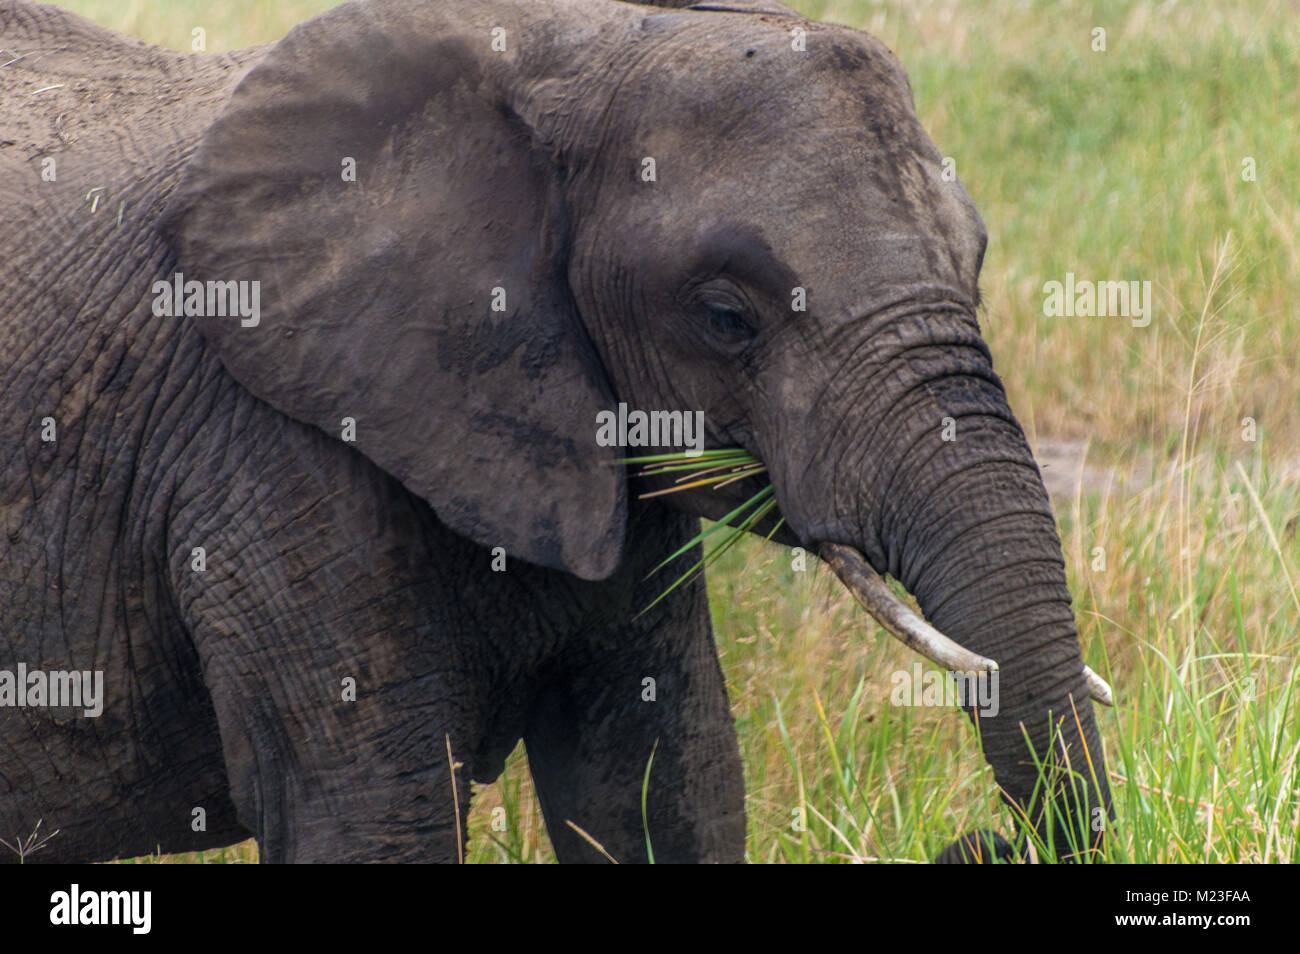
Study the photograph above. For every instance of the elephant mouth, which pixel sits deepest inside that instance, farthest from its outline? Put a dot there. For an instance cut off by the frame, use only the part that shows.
(913, 632)
(720, 468)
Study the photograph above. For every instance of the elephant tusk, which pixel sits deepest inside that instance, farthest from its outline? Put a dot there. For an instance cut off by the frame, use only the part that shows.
(914, 633)
(1098, 687)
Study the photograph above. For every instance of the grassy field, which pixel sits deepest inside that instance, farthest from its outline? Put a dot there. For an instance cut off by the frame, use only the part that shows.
(1130, 163)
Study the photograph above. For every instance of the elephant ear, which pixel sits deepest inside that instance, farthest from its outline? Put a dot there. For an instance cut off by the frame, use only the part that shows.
(409, 240)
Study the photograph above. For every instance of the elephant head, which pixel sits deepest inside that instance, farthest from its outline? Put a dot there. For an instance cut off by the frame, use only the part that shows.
(477, 225)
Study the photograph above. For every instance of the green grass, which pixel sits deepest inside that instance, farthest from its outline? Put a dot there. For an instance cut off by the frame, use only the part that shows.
(1117, 165)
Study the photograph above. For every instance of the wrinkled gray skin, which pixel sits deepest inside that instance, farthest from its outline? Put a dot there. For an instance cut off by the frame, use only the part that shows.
(329, 560)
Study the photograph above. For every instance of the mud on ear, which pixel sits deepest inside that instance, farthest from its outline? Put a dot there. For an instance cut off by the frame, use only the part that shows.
(426, 298)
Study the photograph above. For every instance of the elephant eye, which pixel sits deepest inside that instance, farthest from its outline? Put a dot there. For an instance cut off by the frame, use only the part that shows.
(729, 323)
(726, 316)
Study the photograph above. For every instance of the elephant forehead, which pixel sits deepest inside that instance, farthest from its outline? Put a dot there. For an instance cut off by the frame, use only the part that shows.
(779, 119)
(719, 65)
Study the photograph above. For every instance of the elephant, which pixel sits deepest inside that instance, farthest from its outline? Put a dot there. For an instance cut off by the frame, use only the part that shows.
(304, 349)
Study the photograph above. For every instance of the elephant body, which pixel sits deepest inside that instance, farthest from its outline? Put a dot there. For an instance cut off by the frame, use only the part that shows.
(308, 638)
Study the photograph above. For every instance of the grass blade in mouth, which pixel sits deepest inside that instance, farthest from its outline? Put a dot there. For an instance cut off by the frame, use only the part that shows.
(717, 469)
(722, 522)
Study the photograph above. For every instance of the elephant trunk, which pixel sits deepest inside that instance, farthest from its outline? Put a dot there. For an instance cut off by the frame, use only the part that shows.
(959, 515)
(996, 584)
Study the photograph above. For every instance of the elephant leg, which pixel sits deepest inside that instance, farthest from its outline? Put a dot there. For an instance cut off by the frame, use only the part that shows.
(316, 785)
(590, 739)
(339, 679)
(338, 737)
